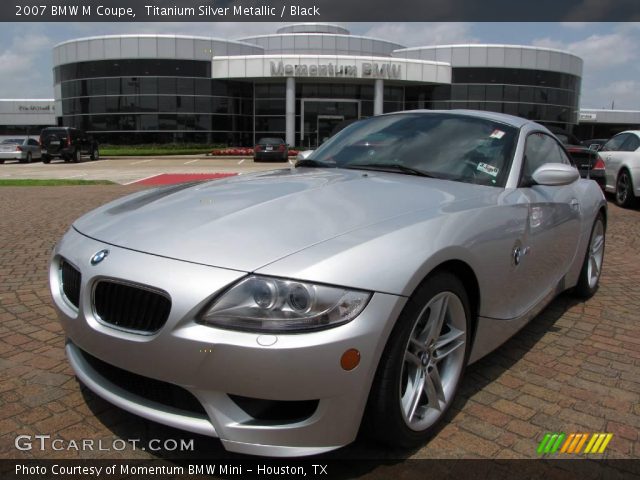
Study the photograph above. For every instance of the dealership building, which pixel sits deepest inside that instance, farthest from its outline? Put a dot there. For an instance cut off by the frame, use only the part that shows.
(298, 83)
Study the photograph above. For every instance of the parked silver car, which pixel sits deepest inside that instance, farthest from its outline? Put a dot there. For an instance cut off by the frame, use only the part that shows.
(23, 149)
(280, 310)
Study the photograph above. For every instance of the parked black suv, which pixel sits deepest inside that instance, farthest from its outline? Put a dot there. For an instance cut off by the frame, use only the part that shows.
(68, 144)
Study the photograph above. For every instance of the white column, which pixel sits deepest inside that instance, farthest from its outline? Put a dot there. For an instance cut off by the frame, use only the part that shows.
(290, 111)
(378, 96)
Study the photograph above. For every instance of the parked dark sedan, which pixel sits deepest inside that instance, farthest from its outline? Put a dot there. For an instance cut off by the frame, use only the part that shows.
(596, 143)
(271, 149)
(587, 160)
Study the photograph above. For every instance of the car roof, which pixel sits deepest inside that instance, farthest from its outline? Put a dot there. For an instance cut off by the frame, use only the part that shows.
(511, 120)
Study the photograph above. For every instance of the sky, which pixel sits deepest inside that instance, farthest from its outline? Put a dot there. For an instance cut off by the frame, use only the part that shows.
(610, 51)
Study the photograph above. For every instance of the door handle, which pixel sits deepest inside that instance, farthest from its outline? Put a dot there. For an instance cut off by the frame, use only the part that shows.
(575, 204)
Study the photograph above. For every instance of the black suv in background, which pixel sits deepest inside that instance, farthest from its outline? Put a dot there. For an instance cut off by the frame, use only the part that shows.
(67, 143)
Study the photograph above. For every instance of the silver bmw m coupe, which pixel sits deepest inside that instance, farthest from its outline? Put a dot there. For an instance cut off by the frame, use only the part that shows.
(283, 311)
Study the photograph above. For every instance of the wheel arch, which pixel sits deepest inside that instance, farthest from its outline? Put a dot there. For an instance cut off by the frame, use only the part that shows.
(463, 271)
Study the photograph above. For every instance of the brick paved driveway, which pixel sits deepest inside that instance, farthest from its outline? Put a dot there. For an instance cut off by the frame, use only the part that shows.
(575, 368)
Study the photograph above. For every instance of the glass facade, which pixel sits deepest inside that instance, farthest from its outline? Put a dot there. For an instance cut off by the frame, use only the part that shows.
(160, 101)
(546, 97)
(155, 101)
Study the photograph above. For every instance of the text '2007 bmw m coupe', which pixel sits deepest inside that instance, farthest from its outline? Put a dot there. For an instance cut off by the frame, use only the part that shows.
(281, 311)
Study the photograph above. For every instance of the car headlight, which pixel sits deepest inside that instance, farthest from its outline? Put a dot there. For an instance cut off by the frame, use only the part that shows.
(264, 304)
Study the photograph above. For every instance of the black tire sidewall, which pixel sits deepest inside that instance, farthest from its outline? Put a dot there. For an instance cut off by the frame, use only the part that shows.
(383, 417)
(630, 199)
(583, 289)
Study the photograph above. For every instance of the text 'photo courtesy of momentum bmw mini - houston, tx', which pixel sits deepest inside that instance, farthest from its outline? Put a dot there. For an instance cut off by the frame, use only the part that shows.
(285, 311)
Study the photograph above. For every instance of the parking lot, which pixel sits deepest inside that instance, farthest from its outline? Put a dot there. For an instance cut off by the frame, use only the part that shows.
(574, 368)
(133, 169)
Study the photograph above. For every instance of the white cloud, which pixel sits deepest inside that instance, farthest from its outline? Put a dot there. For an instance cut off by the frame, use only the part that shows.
(599, 51)
(419, 34)
(623, 93)
(574, 25)
(227, 30)
(22, 62)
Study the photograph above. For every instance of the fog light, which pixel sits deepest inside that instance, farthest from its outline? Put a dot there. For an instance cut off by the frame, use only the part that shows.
(350, 359)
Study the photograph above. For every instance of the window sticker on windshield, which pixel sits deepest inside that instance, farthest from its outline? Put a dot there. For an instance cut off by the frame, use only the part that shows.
(497, 134)
(488, 169)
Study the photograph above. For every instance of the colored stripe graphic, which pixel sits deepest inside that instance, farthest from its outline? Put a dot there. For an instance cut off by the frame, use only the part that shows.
(553, 442)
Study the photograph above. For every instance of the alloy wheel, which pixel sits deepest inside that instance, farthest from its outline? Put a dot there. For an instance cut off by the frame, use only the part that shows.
(596, 253)
(433, 361)
(622, 189)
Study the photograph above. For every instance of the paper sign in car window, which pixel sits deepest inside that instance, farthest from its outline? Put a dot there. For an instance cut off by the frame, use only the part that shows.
(488, 169)
(497, 134)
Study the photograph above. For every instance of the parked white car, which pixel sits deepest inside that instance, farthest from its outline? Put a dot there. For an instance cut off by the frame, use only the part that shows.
(621, 156)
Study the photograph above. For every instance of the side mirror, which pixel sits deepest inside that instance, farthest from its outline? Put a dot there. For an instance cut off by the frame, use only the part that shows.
(553, 174)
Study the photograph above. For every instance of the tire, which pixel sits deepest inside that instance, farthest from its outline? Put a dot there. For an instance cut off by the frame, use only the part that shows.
(589, 279)
(76, 156)
(624, 190)
(95, 154)
(46, 159)
(412, 362)
(29, 158)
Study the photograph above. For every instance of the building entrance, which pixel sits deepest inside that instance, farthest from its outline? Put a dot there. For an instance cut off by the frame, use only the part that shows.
(318, 118)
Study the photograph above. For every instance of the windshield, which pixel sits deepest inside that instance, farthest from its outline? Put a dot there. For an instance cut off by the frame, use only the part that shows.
(442, 145)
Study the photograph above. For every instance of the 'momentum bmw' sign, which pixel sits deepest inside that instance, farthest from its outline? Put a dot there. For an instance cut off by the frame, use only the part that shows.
(367, 70)
(331, 66)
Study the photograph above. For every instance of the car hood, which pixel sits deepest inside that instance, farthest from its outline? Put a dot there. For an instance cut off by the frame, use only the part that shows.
(246, 222)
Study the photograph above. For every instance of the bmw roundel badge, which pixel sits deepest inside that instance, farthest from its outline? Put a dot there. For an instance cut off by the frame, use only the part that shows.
(99, 256)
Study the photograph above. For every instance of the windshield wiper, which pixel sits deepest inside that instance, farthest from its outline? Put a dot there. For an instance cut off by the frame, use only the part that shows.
(386, 167)
(308, 162)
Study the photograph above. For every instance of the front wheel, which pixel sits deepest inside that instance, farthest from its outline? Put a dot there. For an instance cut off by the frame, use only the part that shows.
(76, 156)
(422, 364)
(624, 190)
(592, 265)
(95, 154)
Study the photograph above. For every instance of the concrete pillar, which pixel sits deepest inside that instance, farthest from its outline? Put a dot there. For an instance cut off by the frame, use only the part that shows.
(378, 96)
(290, 111)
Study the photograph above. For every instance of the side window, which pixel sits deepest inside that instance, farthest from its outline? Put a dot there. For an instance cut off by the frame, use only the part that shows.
(564, 158)
(631, 144)
(33, 142)
(615, 143)
(540, 149)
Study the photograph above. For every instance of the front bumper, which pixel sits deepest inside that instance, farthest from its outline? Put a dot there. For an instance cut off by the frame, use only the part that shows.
(213, 364)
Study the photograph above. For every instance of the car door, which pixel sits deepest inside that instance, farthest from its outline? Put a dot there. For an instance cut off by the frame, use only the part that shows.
(549, 242)
(34, 148)
(612, 159)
